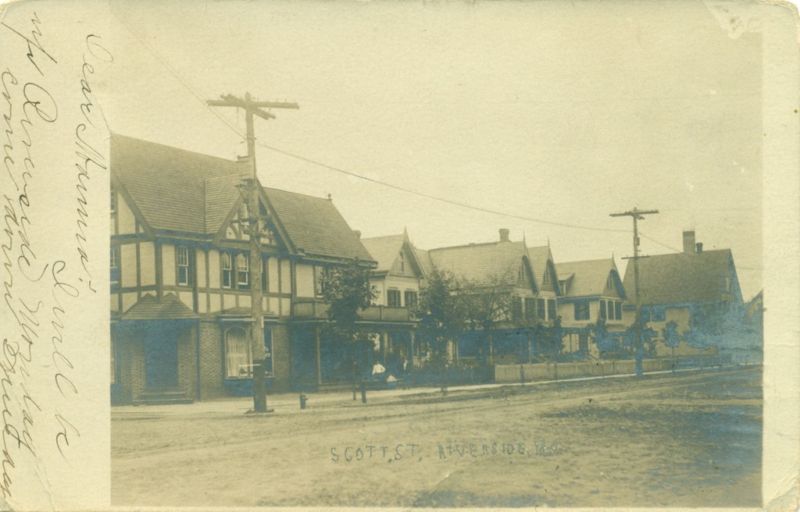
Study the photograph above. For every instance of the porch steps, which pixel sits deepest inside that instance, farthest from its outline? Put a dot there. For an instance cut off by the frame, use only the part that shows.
(162, 397)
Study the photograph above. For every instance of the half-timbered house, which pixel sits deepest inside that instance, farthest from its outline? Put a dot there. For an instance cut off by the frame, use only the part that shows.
(180, 276)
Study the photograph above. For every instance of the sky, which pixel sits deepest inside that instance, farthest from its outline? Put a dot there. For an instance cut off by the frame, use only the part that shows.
(558, 111)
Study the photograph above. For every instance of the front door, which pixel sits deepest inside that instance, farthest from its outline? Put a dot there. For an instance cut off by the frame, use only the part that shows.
(161, 360)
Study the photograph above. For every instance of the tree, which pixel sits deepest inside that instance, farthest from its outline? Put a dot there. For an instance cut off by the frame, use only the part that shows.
(347, 291)
(442, 317)
(605, 343)
(487, 303)
(671, 338)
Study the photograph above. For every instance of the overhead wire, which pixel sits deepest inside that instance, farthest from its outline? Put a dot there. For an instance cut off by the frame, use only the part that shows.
(353, 174)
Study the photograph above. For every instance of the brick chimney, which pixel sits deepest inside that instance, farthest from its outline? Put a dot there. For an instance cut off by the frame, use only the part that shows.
(689, 246)
(504, 235)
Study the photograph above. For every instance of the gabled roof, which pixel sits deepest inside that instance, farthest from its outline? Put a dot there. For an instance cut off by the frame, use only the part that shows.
(186, 192)
(315, 226)
(384, 249)
(175, 189)
(685, 278)
(539, 257)
(424, 260)
(168, 307)
(588, 277)
(495, 262)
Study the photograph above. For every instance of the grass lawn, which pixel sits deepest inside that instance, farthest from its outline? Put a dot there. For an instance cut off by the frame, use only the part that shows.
(683, 440)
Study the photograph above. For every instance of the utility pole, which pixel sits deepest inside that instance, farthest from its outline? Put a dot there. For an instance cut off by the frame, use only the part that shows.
(637, 215)
(252, 187)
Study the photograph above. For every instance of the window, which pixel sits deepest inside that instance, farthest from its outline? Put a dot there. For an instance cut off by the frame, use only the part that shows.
(516, 308)
(242, 271)
(530, 308)
(238, 354)
(659, 315)
(582, 310)
(227, 270)
(610, 282)
(402, 262)
(551, 309)
(182, 257)
(411, 298)
(267, 350)
(393, 298)
(112, 353)
(321, 274)
(546, 278)
(238, 362)
(646, 314)
(618, 310)
(113, 204)
(540, 308)
(114, 266)
(603, 314)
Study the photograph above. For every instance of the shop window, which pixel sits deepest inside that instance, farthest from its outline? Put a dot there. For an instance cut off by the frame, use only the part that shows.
(238, 360)
(268, 355)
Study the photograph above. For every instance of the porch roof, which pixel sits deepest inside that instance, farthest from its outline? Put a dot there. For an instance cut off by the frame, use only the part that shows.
(168, 307)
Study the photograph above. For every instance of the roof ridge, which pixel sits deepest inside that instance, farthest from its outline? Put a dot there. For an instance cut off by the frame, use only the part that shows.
(296, 193)
(172, 148)
(473, 244)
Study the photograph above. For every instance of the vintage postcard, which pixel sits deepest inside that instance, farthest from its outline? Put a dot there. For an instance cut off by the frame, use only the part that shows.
(431, 254)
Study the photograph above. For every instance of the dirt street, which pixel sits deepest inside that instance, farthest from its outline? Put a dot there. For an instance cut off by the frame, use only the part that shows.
(691, 439)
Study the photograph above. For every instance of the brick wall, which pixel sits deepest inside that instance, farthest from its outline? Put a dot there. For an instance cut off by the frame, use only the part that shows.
(211, 362)
(130, 344)
(122, 341)
(187, 373)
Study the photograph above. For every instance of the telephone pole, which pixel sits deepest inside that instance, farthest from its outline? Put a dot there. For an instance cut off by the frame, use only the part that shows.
(637, 215)
(252, 187)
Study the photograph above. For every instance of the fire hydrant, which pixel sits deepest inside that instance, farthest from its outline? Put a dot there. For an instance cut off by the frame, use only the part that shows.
(303, 400)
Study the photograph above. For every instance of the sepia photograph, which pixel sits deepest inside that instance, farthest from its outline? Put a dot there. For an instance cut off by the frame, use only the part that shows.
(430, 254)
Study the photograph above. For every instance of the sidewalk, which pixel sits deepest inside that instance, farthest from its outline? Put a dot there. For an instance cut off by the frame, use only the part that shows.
(288, 402)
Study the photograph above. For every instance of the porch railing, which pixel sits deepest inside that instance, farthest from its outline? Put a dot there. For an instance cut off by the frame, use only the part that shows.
(319, 310)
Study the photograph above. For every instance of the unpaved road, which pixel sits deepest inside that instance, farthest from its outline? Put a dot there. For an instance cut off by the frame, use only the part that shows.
(685, 440)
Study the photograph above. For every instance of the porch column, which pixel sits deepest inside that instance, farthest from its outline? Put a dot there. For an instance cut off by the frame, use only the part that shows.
(411, 349)
(318, 355)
